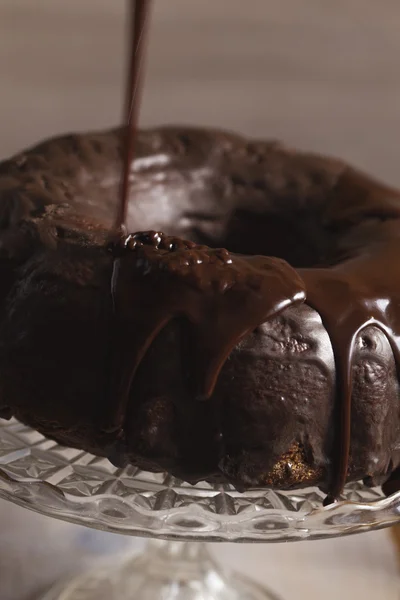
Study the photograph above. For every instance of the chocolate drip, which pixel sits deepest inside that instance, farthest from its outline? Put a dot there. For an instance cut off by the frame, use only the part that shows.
(221, 297)
(138, 25)
(139, 15)
(349, 298)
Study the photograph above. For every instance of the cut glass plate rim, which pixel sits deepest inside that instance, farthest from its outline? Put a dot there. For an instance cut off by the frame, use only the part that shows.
(75, 486)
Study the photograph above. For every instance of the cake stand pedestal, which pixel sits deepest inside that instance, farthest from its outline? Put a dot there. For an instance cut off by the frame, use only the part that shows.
(75, 486)
(165, 571)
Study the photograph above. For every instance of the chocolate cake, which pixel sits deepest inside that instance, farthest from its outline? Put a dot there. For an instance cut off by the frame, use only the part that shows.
(208, 363)
(248, 332)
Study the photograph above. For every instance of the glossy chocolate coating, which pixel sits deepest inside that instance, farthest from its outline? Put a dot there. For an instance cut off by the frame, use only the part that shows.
(273, 416)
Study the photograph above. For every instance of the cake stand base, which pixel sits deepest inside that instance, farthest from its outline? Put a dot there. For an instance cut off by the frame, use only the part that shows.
(165, 571)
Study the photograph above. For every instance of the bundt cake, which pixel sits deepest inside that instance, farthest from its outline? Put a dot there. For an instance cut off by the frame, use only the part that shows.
(213, 364)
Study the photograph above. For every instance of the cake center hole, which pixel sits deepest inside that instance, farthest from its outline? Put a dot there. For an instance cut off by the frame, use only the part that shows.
(301, 242)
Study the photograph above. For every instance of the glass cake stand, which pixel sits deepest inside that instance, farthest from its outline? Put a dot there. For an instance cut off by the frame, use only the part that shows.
(69, 484)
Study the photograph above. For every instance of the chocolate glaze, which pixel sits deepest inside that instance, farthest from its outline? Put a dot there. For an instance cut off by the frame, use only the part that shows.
(223, 297)
(272, 417)
(349, 299)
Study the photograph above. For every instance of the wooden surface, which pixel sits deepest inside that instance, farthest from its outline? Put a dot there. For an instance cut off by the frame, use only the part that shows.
(323, 76)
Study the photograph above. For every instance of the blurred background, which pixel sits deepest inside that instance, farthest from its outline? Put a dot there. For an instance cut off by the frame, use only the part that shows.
(323, 76)
(318, 75)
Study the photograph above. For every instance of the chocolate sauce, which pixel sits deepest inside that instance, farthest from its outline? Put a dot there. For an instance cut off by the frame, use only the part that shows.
(138, 20)
(347, 305)
(223, 297)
